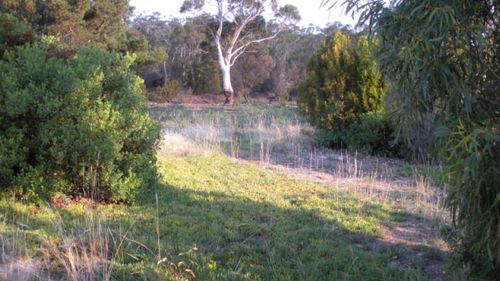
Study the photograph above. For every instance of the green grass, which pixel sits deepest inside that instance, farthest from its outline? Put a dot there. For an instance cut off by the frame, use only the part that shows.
(246, 224)
(430, 172)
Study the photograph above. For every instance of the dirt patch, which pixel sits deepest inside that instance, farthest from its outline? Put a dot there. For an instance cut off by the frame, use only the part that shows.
(421, 245)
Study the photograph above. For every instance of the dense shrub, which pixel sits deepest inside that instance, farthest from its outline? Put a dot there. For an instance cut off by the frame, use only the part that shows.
(13, 32)
(165, 93)
(372, 133)
(74, 121)
(343, 82)
(331, 138)
(342, 86)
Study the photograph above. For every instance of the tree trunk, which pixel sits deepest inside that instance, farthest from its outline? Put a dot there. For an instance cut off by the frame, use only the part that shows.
(225, 65)
(226, 81)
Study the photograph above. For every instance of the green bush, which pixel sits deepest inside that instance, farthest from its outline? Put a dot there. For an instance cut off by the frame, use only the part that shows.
(372, 133)
(165, 93)
(13, 32)
(74, 121)
(331, 138)
(343, 82)
(284, 98)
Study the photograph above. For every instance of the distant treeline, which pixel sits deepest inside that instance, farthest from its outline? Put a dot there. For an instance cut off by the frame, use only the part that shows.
(272, 69)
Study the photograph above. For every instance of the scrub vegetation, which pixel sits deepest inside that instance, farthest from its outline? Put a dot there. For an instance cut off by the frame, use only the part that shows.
(233, 144)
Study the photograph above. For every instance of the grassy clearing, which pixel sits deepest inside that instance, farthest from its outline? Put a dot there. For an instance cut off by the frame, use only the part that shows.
(245, 195)
(227, 220)
(249, 132)
(278, 138)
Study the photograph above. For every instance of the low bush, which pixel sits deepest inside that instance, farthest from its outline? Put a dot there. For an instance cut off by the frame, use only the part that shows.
(75, 122)
(372, 133)
(330, 138)
(284, 98)
(165, 93)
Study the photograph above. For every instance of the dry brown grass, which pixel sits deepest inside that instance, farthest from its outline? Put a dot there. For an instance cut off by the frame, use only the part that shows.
(287, 146)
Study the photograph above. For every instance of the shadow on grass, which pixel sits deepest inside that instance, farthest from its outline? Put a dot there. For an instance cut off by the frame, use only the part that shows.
(248, 231)
(240, 239)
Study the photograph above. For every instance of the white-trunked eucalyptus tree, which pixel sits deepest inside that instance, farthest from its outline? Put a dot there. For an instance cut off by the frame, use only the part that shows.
(240, 14)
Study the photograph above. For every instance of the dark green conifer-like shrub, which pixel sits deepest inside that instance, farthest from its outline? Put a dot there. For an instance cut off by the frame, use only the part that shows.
(343, 82)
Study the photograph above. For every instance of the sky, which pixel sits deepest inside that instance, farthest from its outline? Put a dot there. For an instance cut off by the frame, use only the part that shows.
(310, 11)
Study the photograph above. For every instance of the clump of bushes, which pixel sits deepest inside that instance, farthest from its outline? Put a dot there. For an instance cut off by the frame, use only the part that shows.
(343, 97)
(74, 122)
(165, 93)
(372, 133)
(343, 82)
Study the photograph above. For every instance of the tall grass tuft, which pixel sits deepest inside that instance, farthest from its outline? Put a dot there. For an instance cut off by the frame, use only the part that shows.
(83, 251)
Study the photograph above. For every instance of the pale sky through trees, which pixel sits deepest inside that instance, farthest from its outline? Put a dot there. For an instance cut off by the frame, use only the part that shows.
(310, 11)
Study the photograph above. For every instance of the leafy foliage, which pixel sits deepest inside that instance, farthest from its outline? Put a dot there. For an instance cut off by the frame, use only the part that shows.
(164, 93)
(74, 121)
(343, 83)
(13, 32)
(442, 57)
(101, 23)
(190, 61)
(473, 174)
(372, 133)
(251, 70)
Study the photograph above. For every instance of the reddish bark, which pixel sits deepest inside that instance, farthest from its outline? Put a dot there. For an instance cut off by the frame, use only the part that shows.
(229, 98)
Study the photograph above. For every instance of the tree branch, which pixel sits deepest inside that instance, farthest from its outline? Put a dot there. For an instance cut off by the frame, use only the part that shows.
(243, 47)
(239, 29)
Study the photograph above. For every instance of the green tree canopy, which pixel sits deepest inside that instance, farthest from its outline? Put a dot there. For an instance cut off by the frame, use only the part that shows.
(100, 23)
